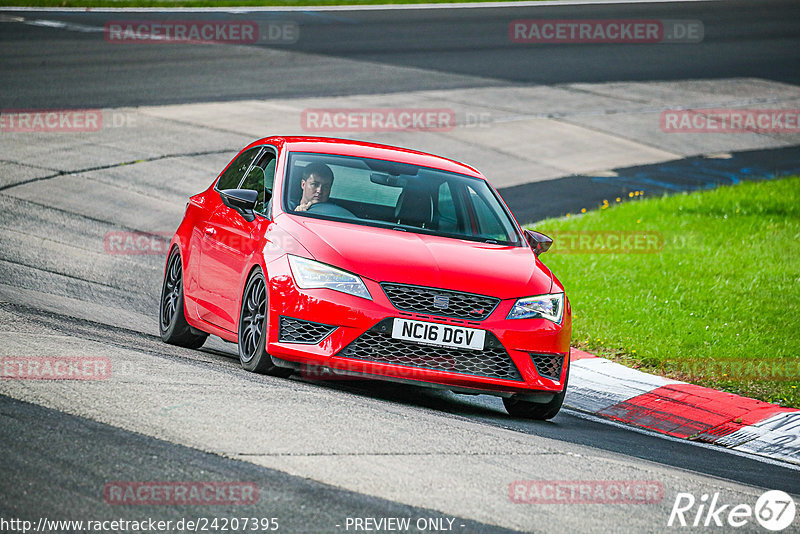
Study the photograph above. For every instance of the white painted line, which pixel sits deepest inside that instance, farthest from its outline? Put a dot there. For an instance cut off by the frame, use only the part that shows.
(63, 25)
(375, 7)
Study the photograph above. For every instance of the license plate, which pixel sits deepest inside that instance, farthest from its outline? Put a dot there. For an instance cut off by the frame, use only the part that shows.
(444, 335)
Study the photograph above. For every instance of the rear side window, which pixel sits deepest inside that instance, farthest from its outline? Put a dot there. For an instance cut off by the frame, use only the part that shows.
(233, 175)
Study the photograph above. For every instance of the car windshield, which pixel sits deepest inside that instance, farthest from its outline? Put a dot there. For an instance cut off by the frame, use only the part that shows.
(406, 197)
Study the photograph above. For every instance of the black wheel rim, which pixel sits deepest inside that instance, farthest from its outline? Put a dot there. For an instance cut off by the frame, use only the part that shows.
(173, 283)
(253, 314)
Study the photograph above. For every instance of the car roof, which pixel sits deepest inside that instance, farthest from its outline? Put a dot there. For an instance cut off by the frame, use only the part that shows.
(347, 147)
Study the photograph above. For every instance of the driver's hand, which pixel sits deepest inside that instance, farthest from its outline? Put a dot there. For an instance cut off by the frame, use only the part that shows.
(304, 206)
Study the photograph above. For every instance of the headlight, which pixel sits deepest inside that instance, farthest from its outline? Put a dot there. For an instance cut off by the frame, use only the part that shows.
(310, 274)
(550, 307)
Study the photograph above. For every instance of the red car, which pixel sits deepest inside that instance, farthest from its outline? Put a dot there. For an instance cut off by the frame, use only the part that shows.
(373, 261)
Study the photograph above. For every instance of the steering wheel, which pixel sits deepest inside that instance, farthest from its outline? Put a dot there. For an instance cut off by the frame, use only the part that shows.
(330, 209)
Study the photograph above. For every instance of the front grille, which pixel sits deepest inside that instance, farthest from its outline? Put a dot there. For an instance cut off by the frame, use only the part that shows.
(441, 302)
(378, 345)
(548, 365)
(292, 330)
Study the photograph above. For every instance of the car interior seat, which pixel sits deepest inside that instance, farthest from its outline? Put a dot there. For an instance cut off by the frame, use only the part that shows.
(415, 207)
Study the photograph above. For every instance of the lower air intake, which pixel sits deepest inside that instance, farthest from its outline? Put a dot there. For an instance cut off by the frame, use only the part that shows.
(378, 345)
(548, 365)
(292, 330)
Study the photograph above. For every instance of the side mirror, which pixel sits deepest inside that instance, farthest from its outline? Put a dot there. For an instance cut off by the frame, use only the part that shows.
(539, 242)
(242, 201)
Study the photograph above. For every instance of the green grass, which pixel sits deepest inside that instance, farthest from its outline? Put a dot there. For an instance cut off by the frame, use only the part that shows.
(214, 3)
(724, 288)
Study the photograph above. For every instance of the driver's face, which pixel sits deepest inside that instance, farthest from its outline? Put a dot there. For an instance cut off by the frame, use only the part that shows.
(315, 189)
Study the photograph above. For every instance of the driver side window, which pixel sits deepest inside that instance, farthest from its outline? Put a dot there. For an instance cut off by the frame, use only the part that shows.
(261, 177)
(233, 174)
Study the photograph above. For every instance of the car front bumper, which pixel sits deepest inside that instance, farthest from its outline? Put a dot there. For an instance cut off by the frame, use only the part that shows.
(351, 336)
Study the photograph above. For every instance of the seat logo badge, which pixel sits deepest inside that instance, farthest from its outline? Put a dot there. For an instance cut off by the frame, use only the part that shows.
(441, 302)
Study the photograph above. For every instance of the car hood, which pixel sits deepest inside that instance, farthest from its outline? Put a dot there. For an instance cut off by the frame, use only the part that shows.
(386, 255)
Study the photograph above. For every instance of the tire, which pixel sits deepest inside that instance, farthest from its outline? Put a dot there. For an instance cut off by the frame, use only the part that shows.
(253, 329)
(172, 323)
(535, 410)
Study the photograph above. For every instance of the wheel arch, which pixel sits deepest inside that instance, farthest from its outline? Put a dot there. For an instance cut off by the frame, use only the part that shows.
(243, 287)
(174, 244)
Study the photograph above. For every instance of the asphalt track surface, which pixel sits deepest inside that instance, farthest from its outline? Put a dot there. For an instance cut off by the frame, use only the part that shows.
(550, 198)
(56, 462)
(43, 68)
(40, 456)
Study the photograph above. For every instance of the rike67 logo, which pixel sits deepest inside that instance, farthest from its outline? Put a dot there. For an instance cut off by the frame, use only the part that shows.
(774, 510)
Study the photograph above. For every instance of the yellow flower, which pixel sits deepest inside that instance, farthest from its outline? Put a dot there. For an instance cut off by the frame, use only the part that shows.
(630, 195)
(583, 210)
(618, 199)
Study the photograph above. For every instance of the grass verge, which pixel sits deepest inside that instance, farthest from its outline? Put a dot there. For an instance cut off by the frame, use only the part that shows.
(701, 287)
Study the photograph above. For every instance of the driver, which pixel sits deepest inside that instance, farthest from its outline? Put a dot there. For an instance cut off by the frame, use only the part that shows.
(316, 185)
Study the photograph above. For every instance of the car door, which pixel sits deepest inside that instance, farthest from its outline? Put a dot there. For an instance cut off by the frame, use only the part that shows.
(229, 242)
(196, 298)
